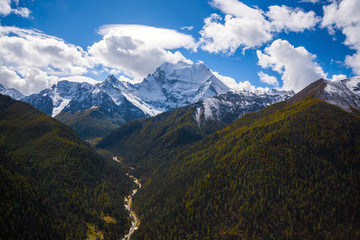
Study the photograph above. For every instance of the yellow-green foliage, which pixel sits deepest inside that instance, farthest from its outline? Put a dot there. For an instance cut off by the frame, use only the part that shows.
(286, 172)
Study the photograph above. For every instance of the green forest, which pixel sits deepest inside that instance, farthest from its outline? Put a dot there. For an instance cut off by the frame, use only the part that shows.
(53, 184)
(91, 123)
(290, 171)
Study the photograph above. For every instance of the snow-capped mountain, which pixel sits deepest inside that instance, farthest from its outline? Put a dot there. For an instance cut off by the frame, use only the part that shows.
(171, 86)
(176, 85)
(121, 94)
(227, 107)
(53, 100)
(11, 92)
(342, 93)
(107, 96)
(73, 96)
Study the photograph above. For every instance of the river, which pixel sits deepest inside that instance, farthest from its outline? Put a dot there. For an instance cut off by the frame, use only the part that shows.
(135, 221)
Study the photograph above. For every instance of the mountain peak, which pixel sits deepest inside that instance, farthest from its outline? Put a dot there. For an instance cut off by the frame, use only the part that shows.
(175, 85)
(112, 79)
(183, 71)
(180, 64)
(12, 92)
(343, 93)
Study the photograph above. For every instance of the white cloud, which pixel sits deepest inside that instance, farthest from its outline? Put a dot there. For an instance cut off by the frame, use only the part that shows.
(297, 65)
(353, 61)
(265, 78)
(344, 16)
(79, 79)
(311, 1)
(189, 28)
(338, 77)
(151, 36)
(234, 33)
(289, 19)
(31, 80)
(245, 27)
(238, 9)
(234, 85)
(242, 27)
(32, 61)
(10, 79)
(137, 50)
(30, 48)
(5, 9)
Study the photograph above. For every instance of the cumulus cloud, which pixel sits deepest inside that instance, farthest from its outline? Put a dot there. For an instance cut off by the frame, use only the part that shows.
(265, 78)
(296, 65)
(238, 9)
(237, 86)
(338, 77)
(34, 49)
(242, 27)
(152, 36)
(6, 9)
(9, 78)
(137, 50)
(233, 33)
(32, 61)
(344, 16)
(245, 27)
(288, 19)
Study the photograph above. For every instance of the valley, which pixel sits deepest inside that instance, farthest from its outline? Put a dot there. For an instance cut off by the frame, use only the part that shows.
(135, 221)
(180, 120)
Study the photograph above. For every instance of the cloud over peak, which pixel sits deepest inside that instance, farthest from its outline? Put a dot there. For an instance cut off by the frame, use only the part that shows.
(137, 49)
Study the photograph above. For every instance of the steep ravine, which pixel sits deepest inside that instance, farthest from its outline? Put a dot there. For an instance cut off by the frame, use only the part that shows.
(135, 221)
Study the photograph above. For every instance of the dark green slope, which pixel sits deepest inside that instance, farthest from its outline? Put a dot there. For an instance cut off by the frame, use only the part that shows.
(52, 183)
(286, 172)
(91, 123)
(150, 140)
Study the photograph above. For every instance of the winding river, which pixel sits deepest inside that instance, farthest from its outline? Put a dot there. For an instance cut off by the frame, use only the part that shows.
(135, 221)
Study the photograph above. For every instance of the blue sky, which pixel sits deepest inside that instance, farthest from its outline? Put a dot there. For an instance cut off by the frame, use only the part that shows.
(256, 43)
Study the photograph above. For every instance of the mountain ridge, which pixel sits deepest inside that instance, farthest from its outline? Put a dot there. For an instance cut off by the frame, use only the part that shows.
(117, 102)
(12, 92)
(343, 93)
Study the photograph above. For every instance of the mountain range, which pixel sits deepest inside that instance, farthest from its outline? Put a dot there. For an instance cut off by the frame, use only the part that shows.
(94, 110)
(214, 162)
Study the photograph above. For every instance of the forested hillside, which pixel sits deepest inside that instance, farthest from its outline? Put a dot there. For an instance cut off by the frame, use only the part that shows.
(148, 141)
(91, 123)
(290, 171)
(53, 185)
